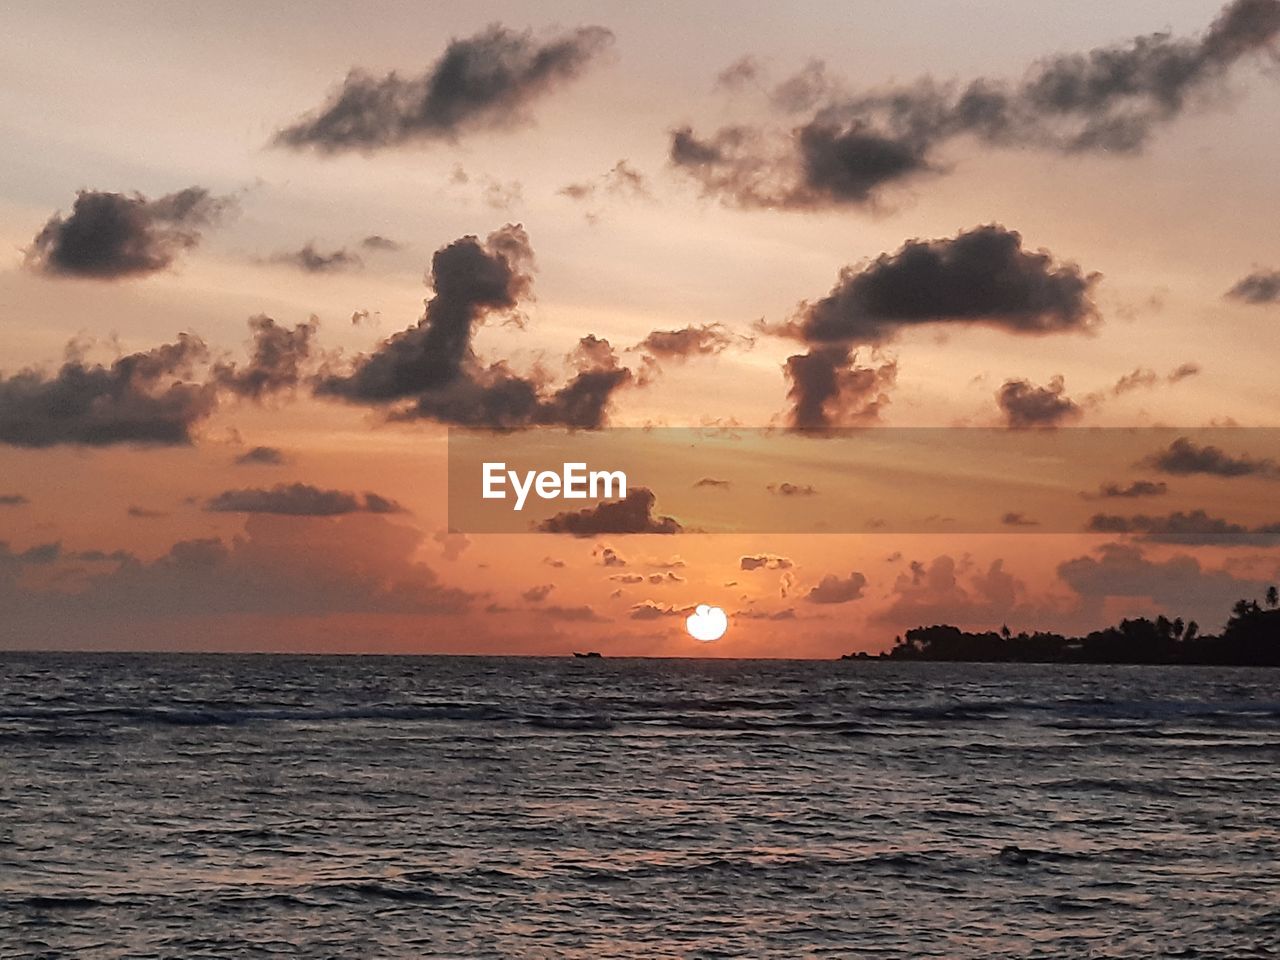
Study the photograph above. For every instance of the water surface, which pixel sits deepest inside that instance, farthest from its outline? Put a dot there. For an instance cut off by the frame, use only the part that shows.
(383, 807)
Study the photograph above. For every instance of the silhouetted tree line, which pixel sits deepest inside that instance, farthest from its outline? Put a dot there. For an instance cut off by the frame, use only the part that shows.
(1250, 638)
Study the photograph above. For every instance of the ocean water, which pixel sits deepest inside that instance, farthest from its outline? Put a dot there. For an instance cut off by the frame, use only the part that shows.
(378, 807)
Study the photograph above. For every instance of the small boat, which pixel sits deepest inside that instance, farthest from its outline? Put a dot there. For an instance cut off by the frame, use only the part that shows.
(589, 655)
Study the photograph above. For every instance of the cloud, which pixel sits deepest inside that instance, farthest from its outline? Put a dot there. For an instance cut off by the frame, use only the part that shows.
(621, 180)
(311, 260)
(705, 339)
(1025, 405)
(298, 500)
(1179, 583)
(1194, 527)
(786, 489)
(660, 579)
(380, 243)
(261, 456)
(484, 82)
(432, 372)
(834, 589)
(1013, 519)
(850, 147)
(13, 500)
(143, 398)
(1138, 378)
(608, 557)
(829, 388)
(539, 593)
(1144, 378)
(111, 236)
(744, 71)
(713, 483)
(1259, 287)
(1134, 490)
(788, 613)
(649, 610)
(452, 543)
(351, 564)
(632, 514)
(580, 614)
(144, 513)
(980, 276)
(764, 561)
(277, 359)
(1184, 458)
(945, 591)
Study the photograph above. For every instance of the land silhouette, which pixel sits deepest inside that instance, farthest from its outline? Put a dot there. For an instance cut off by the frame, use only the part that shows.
(1251, 637)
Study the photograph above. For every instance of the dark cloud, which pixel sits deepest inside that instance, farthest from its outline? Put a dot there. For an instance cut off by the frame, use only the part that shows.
(742, 72)
(632, 514)
(788, 613)
(764, 561)
(452, 543)
(378, 242)
(581, 614)
(1184, 458)
(697, 340)
(143, 398)
(659, 579)
(311, 260)
(1138, 378)
(1134, 490)
(1193, 527)
(539, 593)
(713, 483)
(432, 371)
(608, 557)
(786, 489)
(145, 513)
(829, 388)
(649, 610)
(834, 589)
(353, 564)
(1144, 378)
(261, 456)
(1025, 405)
(1178, 583)
(621, 180)
(299, 500)
(980, 276)
(277, 359)
(1014, 519)
(487, 81)
(947, 591)
(851, 147)
(13, 500)
(109, 236)
(1259, 287)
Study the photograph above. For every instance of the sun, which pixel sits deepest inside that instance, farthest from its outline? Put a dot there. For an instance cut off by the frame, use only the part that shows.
(707, 623)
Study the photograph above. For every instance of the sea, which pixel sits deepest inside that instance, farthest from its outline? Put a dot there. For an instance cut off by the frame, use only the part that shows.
(202, 806)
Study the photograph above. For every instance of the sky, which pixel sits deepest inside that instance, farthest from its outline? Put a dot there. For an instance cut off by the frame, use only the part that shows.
(259, 261)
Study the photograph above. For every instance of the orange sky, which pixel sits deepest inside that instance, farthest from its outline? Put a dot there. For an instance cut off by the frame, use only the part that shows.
(622, 240)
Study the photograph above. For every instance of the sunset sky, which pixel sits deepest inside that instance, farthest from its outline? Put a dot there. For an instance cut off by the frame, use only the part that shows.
(814, 215)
